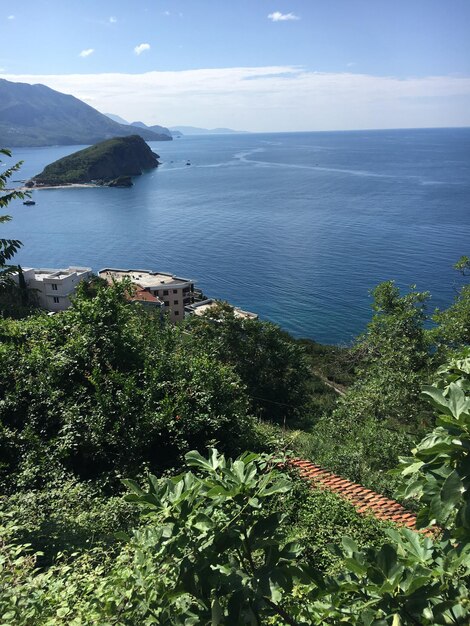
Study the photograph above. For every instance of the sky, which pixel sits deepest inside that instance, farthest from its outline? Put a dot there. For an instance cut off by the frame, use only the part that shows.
(256, 65)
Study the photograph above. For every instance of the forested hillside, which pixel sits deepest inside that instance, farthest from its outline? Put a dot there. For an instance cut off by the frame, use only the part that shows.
(144, 472)
(105, 161)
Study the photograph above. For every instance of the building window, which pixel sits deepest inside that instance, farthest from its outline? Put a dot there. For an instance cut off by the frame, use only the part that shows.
(175, 290)
(166, 303)
(176, 312)
(54, 287)
(56, 300)
(165, 292)
(176, 302)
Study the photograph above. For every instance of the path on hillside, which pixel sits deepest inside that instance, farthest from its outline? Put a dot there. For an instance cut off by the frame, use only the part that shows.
(340, 389)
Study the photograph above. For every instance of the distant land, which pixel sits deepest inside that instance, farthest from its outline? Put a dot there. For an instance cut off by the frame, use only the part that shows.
(155, 128)
(35, 115)
(194, 130)
(112, 162)
(117, 118)
(178, 131)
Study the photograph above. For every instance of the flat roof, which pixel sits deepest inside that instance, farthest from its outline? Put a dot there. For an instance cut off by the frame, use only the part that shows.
(199, 308)
(42, 272)
(143, 278)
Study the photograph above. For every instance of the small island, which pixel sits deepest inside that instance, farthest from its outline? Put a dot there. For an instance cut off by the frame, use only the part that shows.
(111, 163)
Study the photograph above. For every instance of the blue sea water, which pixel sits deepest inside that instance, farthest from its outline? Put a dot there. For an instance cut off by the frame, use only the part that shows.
(295, 226)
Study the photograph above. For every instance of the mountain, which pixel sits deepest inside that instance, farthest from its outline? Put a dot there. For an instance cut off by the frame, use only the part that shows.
(35, 115)
(111, 162)
(117, 118)
(194, 130)
(155, 128)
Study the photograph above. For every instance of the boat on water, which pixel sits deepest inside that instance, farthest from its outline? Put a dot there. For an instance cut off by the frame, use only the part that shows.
(188, 162)
(29, 202)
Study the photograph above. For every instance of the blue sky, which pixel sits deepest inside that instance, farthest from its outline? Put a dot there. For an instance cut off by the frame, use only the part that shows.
(253, 64)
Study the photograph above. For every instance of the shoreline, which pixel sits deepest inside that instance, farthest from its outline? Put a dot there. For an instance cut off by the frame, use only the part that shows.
(65, 186)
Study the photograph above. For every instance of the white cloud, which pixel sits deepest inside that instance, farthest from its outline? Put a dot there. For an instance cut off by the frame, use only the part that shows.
(86, 53)
(277, 16)
(142, 47)
(112, 19)
(11, 17)
(167, 13)
(273, 98)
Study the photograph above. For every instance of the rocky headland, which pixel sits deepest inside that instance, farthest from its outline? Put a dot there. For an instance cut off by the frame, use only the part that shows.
(112, 163)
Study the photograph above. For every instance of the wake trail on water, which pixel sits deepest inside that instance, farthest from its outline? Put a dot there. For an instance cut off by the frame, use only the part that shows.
(242, 158)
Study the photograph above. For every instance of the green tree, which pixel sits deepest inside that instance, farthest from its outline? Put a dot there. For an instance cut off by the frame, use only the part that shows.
(105, 388)
(15, 300)
(395, 355)
(271, 365)
(382, 411)
(8, 247)
(452, 330)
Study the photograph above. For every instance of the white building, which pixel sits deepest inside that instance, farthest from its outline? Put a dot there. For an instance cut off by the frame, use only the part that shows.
(204, 307)
(174, 292)
(54, 287)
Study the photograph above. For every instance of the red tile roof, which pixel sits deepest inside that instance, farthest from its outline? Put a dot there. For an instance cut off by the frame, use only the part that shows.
(365, 500)
(141, 295)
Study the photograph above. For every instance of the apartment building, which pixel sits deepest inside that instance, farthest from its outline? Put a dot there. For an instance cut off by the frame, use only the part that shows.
(174, 292)
(54, 287)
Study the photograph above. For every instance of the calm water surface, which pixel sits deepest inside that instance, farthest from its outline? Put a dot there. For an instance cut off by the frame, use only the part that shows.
(297, 227)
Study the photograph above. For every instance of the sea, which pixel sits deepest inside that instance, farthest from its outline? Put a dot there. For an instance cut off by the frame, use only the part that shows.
(297, 227)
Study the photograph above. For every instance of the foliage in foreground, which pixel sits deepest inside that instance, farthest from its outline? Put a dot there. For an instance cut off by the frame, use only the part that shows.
(104, 388)
(8, 247)
(211, 551)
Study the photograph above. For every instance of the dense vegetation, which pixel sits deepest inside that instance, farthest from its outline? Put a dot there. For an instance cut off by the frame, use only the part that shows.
(104, 161)
(121, 504)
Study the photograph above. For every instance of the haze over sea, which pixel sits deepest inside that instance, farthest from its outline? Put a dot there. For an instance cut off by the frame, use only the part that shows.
(295, 226)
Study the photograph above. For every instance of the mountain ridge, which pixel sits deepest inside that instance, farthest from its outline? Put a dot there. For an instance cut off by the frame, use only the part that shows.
(36, 115)
(195, 130)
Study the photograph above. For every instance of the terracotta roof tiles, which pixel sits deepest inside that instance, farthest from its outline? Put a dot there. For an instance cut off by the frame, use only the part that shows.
(365, 500)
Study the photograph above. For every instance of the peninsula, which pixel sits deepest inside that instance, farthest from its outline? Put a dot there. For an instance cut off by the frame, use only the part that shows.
(112, 162)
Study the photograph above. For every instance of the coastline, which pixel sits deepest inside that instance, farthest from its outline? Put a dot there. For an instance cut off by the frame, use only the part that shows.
(65, 186)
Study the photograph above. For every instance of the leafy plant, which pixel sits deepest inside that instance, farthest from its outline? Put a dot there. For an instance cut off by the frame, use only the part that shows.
(8, 247)
(438, 473)
(225, 553)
